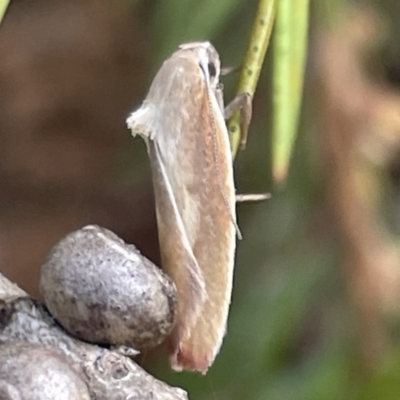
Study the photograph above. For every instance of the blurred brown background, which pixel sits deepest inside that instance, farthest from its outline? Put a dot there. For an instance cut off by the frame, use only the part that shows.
(315, 310)
(70, 72)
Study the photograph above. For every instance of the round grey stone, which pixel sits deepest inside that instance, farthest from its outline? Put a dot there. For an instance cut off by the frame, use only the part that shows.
(104, 291)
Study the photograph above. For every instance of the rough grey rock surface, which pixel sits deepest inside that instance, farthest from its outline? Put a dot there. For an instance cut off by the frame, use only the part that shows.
(34, 372)
(104, 291)
(107, 374)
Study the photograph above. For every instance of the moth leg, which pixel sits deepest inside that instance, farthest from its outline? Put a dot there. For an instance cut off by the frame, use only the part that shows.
(241, 103)
(241, 198)
(219, 94)
(125, 351)
(229, 70)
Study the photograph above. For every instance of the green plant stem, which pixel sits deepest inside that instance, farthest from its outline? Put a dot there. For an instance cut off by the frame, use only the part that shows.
(250, 72)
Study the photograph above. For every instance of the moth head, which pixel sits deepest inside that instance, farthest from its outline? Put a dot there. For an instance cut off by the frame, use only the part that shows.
(207, 57)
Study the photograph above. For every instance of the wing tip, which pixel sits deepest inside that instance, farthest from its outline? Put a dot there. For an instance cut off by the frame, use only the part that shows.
(184, 359)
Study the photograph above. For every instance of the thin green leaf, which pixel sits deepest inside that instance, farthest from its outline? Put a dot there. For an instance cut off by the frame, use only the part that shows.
(290, 49)
(3, 8)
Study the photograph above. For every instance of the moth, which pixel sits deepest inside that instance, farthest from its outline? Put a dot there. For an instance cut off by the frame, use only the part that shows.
(182, 122)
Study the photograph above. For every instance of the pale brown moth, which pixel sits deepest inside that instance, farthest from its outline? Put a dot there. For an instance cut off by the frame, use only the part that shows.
(182, 122)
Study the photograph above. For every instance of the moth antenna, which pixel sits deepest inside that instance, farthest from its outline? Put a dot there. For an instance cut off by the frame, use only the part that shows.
(216, 161)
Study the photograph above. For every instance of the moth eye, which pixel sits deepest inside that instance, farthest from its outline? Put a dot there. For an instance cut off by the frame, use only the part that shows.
(212, 70)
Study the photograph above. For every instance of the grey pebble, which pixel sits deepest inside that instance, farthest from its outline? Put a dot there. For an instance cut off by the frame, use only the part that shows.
(104, 291)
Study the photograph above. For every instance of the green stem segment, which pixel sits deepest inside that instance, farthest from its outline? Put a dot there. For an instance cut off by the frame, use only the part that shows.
(290, 48)
(252, 65)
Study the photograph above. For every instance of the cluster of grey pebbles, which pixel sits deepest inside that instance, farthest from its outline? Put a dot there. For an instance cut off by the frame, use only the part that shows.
(99, 290)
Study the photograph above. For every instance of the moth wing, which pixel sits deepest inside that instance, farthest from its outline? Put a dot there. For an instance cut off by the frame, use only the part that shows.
(172, 182)
(194, 149)
(214, 248)
(197, 237)
(177, 254)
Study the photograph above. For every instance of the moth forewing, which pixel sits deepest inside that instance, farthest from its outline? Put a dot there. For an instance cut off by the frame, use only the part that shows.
(195, 198)
(214, 247)
(166, 147)
(176, 248)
